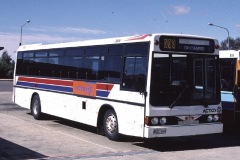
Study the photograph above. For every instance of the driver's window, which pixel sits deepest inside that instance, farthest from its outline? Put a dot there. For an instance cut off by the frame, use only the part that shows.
(135, 70)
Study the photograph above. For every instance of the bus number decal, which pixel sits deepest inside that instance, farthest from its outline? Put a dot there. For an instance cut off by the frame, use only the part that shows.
(169, 43)
(92, 89)
(84, 88)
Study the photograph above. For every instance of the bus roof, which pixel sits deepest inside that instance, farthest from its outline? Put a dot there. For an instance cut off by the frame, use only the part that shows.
(116, 40)
(229, 54)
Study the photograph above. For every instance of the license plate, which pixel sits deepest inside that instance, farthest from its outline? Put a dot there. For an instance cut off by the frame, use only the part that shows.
(160, 131)
(188, 122)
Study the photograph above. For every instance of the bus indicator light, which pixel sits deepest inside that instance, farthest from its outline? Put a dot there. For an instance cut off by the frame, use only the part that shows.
(154, 121)
(163, 120)
(146, 120)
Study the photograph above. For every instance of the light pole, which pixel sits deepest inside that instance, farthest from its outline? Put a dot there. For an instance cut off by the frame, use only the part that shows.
(210, 24)
(28, 21)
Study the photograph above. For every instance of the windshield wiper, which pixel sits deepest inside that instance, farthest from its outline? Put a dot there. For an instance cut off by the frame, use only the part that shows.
(179, 96)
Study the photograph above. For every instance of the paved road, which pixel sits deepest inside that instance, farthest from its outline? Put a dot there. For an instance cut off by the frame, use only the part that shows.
(22, 137)
(6, 85)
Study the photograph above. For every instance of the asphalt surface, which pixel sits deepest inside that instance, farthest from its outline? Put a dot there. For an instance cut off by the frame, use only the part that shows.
(22, 137)
(6, 85)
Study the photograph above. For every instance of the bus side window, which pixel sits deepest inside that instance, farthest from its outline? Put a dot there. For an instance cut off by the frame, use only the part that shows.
(113, 68)
(128, 73)
(135, 66)
(135, 73)
(227, 74)
(73, 63)
(20, 67)
(113, 64)
(41, 63)
(94, 63)
(28, 60)
(55, 61)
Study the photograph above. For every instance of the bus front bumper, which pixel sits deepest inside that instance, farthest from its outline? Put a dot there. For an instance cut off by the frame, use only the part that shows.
(181, 130)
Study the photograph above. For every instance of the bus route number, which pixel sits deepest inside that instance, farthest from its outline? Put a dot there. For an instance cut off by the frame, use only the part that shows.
(169, 43)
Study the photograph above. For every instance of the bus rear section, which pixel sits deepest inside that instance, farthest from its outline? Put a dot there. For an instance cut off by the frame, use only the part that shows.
(184, 88)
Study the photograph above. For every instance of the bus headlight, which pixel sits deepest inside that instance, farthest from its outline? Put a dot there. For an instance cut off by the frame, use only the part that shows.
(210, 118)
(163, 120)
(154, 121)
(215, 118)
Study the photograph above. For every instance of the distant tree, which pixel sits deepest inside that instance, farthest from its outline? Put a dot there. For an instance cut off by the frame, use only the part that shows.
(234, 44)
(6, 66)
(237, 43)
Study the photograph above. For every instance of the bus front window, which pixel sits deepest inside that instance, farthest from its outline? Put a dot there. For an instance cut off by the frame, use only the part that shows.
(183, 80)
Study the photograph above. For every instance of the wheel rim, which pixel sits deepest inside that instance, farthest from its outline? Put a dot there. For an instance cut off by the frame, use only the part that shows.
(35, 107)
(111, 124)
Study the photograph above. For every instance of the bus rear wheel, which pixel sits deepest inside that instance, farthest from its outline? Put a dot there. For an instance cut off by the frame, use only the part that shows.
(110, 125)
(36, 107)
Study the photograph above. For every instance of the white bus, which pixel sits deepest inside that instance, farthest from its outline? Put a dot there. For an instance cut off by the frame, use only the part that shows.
(230, 86)
(153, 85)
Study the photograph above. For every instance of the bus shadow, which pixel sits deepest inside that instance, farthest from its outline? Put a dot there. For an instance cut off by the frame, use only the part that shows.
(9, 150)
(229, 138)
(77, 125)
(192, 143)
(68, 123)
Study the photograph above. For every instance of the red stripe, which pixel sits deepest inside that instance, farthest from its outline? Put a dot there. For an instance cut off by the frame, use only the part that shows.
(46, 81)
(139, 37)
(107, 87)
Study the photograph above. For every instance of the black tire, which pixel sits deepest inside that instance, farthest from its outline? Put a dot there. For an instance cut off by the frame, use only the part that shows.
(110, 125)
(36, 108)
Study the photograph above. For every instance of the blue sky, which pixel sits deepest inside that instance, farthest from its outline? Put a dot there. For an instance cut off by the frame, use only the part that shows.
(54, 21)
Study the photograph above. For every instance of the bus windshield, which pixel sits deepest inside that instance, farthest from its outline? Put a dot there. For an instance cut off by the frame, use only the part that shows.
(181, 80)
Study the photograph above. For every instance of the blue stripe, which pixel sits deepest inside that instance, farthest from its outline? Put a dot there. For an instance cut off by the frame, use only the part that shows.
(102, 93)
(27, 84)
(55, 88)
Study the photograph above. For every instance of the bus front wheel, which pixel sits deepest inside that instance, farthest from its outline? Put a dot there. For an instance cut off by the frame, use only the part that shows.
(36, 107)
(110, 125)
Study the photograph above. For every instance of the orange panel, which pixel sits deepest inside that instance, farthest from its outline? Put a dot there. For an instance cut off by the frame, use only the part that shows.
(83, 88)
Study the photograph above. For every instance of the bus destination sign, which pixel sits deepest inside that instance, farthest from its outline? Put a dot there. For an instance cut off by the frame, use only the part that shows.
(185, 44)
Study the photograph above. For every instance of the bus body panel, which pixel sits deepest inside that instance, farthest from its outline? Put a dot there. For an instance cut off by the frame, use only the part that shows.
(178, 110)
(185, 110)
(64, 106)
(70, 107)
(175, 131)
(22, 97)
(184, 130)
